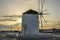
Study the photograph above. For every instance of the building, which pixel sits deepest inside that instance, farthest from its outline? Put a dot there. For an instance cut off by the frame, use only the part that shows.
(30, 24)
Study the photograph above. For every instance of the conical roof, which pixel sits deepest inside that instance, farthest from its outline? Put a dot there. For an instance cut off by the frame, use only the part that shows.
(30, 11)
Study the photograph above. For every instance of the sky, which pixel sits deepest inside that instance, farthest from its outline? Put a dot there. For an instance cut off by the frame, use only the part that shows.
(17, 7)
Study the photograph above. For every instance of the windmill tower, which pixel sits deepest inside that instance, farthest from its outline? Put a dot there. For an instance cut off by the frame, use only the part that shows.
(30, 25)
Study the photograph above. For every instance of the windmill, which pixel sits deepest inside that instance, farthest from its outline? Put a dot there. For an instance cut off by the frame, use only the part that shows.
(41, 12)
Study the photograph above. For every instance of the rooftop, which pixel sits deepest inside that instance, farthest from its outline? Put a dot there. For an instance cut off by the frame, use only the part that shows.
(30, 11)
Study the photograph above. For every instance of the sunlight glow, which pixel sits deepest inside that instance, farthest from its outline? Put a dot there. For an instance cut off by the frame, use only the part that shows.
(20, 20)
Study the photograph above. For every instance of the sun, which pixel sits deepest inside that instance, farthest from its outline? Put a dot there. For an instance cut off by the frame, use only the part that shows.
(20, 20)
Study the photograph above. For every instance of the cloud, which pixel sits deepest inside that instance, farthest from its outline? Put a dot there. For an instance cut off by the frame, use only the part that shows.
(25, 0)
(9, 7)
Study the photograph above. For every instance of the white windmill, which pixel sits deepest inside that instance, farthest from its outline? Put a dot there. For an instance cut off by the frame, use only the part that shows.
(30, 22)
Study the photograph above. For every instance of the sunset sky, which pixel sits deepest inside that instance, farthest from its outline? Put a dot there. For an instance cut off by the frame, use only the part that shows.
(17, 7)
